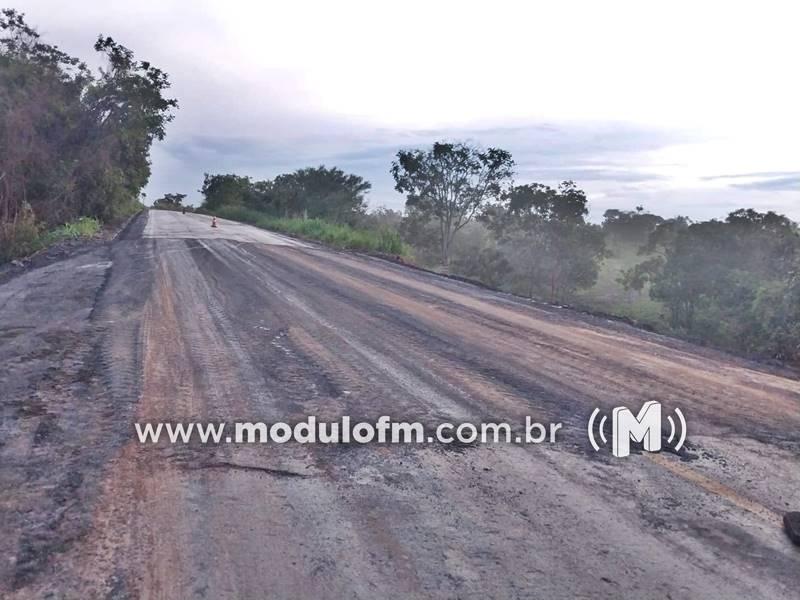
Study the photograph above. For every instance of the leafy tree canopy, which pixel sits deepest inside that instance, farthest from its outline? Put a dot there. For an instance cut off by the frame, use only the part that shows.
(314, 192)
(451, 183)
(550, 246)
(73, 142)
(170, 202)
(630, 226)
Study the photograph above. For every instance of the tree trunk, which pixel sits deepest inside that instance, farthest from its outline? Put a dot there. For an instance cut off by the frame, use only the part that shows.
(444, 234)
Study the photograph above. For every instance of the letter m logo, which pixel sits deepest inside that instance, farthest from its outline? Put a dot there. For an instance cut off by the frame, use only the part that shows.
(645, 428)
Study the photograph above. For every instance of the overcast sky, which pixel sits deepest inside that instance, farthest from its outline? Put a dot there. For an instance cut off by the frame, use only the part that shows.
(686, 108)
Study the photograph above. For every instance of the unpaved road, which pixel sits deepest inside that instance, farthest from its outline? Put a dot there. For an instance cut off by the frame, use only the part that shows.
(176, 321)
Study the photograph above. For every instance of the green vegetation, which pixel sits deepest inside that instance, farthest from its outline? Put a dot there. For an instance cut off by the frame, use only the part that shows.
(171, 202)
(383, 241)
(75, 151)
(29, 239)
(83, 227)
(73, 143)
(734, 284)
(450, 184)
(311, 193)
(551, 250)
(609, 295)
(319, 203)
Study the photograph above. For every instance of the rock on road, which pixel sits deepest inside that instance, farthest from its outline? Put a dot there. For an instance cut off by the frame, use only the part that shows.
(179, 322)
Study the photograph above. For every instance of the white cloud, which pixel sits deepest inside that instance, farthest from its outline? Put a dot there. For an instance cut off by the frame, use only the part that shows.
(316, 80)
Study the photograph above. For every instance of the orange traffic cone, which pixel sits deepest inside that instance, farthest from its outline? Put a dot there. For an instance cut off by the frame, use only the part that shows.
(213, 221)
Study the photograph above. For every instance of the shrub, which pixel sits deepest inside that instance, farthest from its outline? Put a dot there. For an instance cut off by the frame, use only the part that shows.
(381, 240)
(19, 238)
(24, 237)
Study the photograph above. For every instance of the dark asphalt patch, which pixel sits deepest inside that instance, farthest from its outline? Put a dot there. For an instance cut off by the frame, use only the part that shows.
(791, 522)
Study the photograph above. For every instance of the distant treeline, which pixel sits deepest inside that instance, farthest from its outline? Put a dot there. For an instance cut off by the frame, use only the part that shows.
(733, 283)
(311, 193)
(73, 143)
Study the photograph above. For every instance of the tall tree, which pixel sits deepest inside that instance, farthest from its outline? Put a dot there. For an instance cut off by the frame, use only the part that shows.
(170, 202)
(129, 111)
(321, 192)
(550, 246)
(73, 142)
(715, 274)
(41, 125)
(628, 226)
(451, 184)
(225, 190)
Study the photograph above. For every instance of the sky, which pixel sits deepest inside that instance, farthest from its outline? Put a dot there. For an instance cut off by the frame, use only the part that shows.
(684, 108)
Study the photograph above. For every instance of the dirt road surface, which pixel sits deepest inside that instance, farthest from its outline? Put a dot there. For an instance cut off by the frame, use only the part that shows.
(176, 321)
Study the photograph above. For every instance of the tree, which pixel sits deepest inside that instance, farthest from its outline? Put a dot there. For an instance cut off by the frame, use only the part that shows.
(639, 275)
(170, 202)
(73, 142)
(314, 192)
(382, 218)
(664, 235)
(129, 111)
(42, 117)
(475, 255)
(715, 274)
(418, 230)
(630, 227)
(451, 184)
(545, 236)
(693, 273)
(776, 316)
(320, 192)
(225, 190)
(769, 240)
